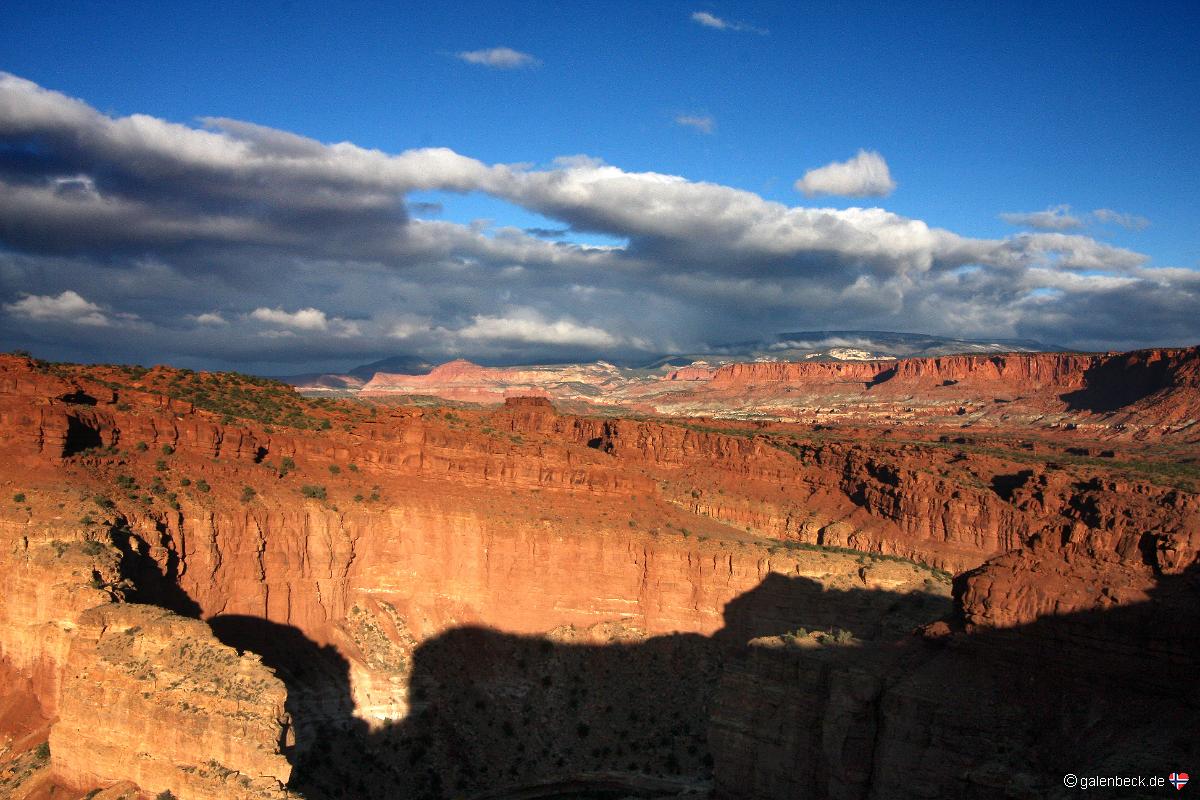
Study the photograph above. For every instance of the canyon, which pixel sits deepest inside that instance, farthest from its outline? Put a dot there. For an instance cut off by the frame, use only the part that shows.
(957, 576)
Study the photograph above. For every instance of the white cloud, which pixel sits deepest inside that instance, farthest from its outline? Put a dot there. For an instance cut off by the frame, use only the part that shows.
(498, 58)
(717, 23)
(408, 328)
(1131, 222)
(1056, 218)
(701, 122)
(306, 319)
(525, 325)
(66, 307)
(865, 175)
(210, 318)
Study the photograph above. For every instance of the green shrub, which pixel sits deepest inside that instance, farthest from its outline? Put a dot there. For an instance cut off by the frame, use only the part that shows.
(334, 469)
(353, 467)
(248, 493)
(167, 450)
(165, 794)
(142, 447)
(202, 486)
(19, 497)
(43, 751)
(185, 482)
(326, 424)
(317, 492)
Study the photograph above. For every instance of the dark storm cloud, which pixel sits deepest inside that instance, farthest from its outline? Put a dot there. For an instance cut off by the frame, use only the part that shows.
(239, 243)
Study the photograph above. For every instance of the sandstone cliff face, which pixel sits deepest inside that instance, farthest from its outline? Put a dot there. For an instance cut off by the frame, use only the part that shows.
(181, 712)
(48, 583)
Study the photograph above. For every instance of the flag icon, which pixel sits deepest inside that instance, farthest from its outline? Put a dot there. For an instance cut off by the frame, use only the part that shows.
(1178, 780)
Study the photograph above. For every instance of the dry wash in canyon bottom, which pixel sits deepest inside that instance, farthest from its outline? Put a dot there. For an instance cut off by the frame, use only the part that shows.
(218, 589)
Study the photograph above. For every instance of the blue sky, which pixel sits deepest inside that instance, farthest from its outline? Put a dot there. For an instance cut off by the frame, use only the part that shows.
(977, 109)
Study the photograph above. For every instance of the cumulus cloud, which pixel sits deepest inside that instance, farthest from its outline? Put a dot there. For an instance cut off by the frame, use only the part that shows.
(498, 58)
(865, 175)
(307, 319)
(67, 307)
(709, 20)
(210, 318)
(1057, 218)
(701, 122)
(528, 326)
(172, 222)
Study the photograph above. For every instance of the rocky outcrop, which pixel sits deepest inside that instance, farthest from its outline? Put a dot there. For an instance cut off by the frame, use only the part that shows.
(181, 712)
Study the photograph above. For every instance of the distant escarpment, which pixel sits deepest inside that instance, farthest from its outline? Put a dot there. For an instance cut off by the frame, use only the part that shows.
(1120, 395)
(221, 589)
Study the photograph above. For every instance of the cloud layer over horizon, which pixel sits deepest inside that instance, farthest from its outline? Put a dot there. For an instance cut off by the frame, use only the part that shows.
(234, 243)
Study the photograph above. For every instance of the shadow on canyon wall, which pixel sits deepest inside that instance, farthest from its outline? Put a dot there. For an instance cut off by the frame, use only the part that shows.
(992, 714)
(490, 710)
(1112, 384)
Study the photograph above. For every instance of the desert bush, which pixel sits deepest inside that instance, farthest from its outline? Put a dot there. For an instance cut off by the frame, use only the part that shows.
(248, 494)
(19, 497)
(317, 492)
